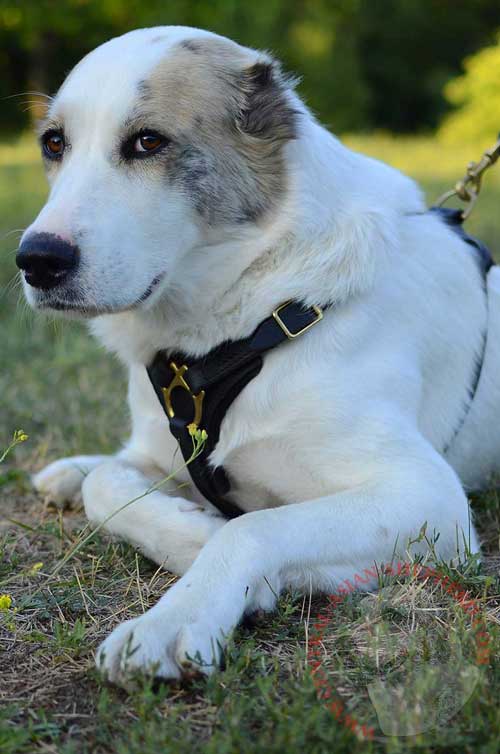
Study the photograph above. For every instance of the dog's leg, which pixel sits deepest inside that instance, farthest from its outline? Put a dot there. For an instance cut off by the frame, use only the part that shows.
(165, 527)
(318, 543)
(62, 480)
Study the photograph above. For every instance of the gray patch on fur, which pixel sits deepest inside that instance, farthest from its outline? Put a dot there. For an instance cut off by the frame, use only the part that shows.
(143, 91)
(267, 114)
(211, 185)
(190, 44)
(229, 116)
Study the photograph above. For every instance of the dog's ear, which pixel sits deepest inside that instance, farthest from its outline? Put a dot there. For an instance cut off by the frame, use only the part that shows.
(266, 111)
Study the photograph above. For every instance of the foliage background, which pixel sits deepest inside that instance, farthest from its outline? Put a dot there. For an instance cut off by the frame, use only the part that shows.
(476, 95)
(366, 64)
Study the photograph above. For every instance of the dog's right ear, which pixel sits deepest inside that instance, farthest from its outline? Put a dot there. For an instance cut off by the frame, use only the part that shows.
(266, 111)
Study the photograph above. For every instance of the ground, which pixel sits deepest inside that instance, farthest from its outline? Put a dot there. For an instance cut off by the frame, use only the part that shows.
(308, 679)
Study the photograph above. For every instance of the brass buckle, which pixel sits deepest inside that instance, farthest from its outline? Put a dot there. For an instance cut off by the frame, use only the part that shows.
(288, 333)
(179, 381)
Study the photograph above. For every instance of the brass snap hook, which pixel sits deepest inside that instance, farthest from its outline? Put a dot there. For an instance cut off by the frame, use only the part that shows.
(469, 187)
(179, 381)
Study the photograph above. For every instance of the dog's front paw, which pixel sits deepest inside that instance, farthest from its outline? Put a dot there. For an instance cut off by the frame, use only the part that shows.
(61, 481)
(160, 645)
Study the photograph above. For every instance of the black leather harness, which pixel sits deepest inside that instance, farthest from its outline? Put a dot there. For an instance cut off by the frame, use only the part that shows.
(199, 391)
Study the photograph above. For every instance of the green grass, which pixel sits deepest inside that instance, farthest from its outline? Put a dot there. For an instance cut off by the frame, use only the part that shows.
(69, 396)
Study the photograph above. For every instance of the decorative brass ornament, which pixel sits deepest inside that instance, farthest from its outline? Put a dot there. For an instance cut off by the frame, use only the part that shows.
(179, 381)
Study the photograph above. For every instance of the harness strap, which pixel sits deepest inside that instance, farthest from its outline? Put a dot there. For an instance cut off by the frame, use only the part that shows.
(454, 218)
(200, 390)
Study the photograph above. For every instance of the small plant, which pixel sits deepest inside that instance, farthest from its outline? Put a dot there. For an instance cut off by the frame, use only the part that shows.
(5, 602)
(18, 437)
(7, 611)
(70, 637)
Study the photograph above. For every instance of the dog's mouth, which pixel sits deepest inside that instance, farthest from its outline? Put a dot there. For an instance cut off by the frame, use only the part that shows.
(76, 305)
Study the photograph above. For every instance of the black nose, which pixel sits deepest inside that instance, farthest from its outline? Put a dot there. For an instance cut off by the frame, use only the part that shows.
(46, 259)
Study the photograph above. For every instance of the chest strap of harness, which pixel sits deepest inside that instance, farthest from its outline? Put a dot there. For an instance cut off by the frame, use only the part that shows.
(199, 391)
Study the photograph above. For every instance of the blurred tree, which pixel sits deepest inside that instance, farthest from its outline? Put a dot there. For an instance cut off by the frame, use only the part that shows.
(365, 63)
(410, 48)
(477, 97)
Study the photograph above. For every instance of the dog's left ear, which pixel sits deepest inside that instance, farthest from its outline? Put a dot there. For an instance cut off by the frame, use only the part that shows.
(267, 110)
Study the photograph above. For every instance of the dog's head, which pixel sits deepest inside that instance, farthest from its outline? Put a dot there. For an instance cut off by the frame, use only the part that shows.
(159, 145)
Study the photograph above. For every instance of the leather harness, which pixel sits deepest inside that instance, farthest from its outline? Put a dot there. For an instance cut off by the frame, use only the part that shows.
(199, 391)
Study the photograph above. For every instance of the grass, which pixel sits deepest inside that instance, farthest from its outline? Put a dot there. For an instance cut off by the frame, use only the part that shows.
(69, 397)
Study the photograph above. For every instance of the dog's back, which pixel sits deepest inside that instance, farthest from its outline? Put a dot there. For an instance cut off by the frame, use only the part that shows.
(475, 451)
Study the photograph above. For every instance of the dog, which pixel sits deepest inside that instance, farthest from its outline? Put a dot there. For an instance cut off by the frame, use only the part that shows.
(192, 193)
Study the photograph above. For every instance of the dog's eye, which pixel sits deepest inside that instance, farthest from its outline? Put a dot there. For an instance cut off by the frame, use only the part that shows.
(53, 144)
(149, 142)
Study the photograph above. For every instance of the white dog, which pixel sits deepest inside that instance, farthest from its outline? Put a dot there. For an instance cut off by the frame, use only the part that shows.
(192, 193)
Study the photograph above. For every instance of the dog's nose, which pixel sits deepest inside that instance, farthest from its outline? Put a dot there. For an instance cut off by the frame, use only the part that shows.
(46, 259)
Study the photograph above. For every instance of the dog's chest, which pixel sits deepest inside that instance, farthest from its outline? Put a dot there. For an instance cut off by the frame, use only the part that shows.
(262, 438)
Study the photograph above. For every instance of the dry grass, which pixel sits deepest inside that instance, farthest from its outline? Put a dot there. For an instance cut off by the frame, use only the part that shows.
(55, 700)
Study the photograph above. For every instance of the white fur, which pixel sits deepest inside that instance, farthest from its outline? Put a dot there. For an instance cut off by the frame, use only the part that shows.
(336, 450)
